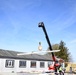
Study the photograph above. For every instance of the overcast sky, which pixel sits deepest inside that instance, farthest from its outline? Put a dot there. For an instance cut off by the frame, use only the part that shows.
(19, 20)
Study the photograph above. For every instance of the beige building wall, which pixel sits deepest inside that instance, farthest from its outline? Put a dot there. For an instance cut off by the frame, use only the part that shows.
(73, 65)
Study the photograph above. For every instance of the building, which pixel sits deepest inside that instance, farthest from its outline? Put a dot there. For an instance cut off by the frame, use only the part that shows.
(11, 62)
(71, 66)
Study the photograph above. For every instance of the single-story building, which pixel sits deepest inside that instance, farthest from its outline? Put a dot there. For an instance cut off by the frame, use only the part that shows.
(11, 62)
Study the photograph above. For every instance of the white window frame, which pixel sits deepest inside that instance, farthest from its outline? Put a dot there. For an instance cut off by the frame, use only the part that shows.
(42, 64)
(50, 63)
(9, 64)
(33, 64)
(22, 63)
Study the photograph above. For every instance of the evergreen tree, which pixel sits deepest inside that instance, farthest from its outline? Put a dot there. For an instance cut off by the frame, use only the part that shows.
(63, 53)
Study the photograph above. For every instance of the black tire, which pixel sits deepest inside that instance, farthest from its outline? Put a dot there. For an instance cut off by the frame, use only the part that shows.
(61, 73)
(56, 73)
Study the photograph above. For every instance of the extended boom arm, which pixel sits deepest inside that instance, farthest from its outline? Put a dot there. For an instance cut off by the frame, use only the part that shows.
(41, 24)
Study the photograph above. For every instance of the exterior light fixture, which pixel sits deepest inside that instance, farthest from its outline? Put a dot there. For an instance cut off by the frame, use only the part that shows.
(39, 47)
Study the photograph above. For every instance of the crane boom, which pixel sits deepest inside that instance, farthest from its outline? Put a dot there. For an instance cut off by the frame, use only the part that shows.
(41, 24)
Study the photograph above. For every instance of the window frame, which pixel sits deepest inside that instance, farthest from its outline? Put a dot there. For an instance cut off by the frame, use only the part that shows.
(42, 64)
(50, 63)
(33, 64)
(22, 64)
(9, 63)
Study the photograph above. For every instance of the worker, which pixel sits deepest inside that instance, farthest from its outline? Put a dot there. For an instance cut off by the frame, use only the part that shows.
(60, 69)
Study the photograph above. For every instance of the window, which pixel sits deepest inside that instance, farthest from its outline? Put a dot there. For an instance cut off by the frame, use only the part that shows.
(9, 63)
(42, 65)
(22, 64)
(50, 63)
(33, 64)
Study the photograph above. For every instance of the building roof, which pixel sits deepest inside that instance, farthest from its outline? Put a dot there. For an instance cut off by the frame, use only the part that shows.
(13, 55)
